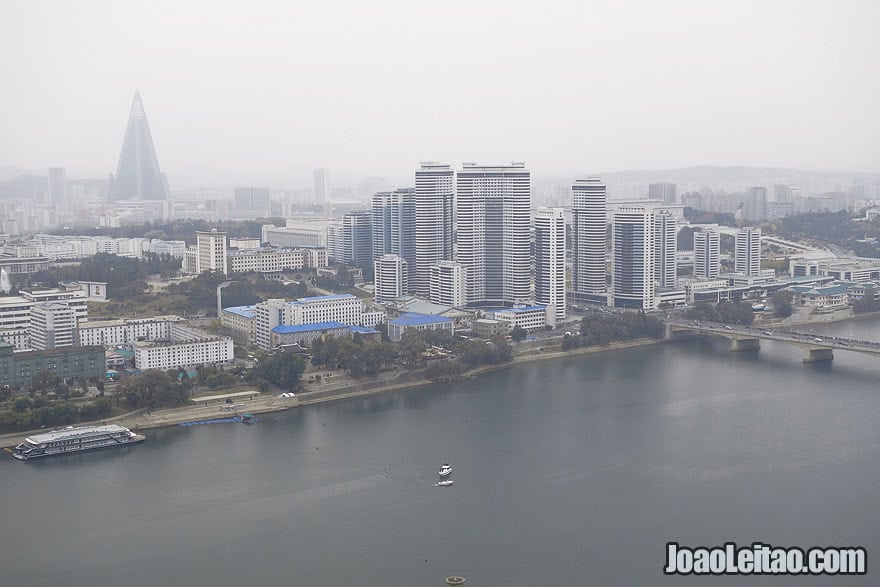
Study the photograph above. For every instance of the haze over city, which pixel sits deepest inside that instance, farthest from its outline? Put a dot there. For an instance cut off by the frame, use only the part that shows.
(372, 89)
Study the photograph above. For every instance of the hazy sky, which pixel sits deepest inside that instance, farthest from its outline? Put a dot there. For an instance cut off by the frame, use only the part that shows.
(374, 87)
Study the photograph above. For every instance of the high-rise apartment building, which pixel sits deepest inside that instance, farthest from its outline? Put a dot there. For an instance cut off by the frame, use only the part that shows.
(394, 227)
(707, 253)
(447, 284)
(52, 325)
(747, 251)
(550, 259)
(665, 247)
(390, 273)
(435, 191)
(492, 218)
(357, 239)
(335, 241)
(755, 204)
(253, 200)
(211, 251)
(137, 176)
(589, 239)
(667, 192)
(322, 190)
(57, 187)
(633, 248)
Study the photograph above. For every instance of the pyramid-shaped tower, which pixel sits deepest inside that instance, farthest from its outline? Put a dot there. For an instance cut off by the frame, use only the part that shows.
(137, 175)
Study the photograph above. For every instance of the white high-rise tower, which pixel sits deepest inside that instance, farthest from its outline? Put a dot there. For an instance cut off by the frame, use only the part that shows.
(550, 259)
(588, 238)
(747, 258)
(211, 251)
(665, 248)
(492, 218)
(390, 273)
(707, 253)
(435, 189)
(633, 246)
(447, 283)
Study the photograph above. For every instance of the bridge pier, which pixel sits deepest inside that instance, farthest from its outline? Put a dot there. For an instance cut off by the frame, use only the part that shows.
(817, 355)
(744, 344)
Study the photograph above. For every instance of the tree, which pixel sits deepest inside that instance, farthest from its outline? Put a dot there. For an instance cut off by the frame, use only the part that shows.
(518, 334)
(782, 303)
(867, 303)
(282, 369)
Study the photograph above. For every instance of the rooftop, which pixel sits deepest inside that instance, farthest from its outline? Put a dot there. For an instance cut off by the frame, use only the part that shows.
(524, 309)
(325, 298)
(296, 328)
(243, 311)
(410, 319)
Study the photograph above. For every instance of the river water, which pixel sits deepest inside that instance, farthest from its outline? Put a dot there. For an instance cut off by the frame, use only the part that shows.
(570, 472)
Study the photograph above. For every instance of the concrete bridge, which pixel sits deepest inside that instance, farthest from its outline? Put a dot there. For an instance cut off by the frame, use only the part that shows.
(816, 347)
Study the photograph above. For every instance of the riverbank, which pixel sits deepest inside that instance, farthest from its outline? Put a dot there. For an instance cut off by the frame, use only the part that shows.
(145, 419)
(524, 353)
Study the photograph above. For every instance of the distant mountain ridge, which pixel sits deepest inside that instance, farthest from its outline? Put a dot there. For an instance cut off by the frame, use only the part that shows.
(19, 182)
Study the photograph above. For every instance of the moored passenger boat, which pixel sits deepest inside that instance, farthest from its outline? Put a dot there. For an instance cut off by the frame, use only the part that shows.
(74, 439)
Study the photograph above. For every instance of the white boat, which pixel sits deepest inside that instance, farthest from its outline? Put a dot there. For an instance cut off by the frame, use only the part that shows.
(74, 439)
(445, 483)
(445, 470)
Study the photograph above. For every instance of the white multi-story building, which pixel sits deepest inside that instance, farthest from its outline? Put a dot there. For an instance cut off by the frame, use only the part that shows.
(127, 330)
(344, 308)
(267, 315)
(211, 247)
(240, 319)
(447, 284)
(297, 233)
(76, 299)
(493, 240)
(527, 317)
(52, 325)
(244, 242)
(747, 251)
(15, 319)
(588, 238)
(186, 348)
(335, 241)
(707, 253)
(550, 260)
(633, 242)
(273, 260)
(435, 191)
(390, 272)
(665, 247)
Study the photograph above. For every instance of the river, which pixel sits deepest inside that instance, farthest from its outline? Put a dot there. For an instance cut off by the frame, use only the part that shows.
(570, 472)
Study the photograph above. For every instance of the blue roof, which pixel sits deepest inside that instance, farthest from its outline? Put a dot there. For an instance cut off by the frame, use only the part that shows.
(243, 311)
(410, 319)
(321, 298)
(308, 327)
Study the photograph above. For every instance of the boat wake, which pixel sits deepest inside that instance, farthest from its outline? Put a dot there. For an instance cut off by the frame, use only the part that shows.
(408, 476)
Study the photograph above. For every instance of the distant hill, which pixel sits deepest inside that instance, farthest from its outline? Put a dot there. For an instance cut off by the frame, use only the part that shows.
(24, 186)
(11, 172)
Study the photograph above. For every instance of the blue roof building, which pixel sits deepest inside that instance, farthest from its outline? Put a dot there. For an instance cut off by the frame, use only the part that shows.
(306, 333)
(411, 321)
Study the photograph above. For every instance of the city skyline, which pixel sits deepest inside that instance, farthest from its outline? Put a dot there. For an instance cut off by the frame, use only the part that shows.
(805, 69)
